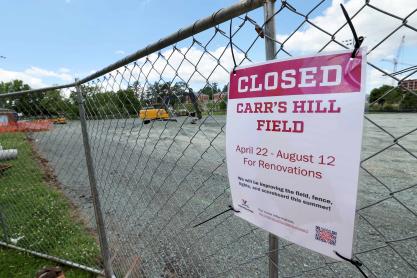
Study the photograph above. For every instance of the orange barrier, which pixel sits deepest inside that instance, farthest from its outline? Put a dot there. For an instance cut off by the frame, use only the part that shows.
(32, 126)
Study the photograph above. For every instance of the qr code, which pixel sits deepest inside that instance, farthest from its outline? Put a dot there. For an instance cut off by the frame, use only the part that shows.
(326, 235)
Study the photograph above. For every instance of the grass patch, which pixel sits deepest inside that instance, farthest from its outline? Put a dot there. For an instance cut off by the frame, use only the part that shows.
(38, 213)
(19, 264)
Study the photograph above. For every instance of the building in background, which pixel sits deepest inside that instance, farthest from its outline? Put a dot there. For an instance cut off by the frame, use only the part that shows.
(410, 84)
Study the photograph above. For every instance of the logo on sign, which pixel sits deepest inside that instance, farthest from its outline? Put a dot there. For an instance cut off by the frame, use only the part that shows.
(245, 205)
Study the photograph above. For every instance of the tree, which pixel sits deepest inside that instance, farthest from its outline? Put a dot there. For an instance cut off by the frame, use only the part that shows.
(128, 101)
(138, 90)
(409, 103)
(28, 104)
(393, 97)
(157, 92)
(210, 90)
(53, 104)
(45, 104)
(182, 91)
(225, 88)
(167, 94)
(13, 86)
(8, 87)
(223, 103)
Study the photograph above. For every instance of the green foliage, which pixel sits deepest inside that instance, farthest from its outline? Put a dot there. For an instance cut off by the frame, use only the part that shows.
(21, 102)
(19, 264)
(391, 99)
(409, 103)
(105, 105)
(45, 104)
(53, 104)
(223, 103)
(48, 225)
(128, 101)
(210, 90)
(13, 86)
(167, 94)
(225, 88)
(211, 107)
(387, 107)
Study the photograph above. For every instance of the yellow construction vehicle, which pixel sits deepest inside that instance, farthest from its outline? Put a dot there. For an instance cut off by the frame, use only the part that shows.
(150, 114)
(59, 120)
(164, 110)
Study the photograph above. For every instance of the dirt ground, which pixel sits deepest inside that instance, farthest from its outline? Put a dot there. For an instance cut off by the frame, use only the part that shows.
(158, 180)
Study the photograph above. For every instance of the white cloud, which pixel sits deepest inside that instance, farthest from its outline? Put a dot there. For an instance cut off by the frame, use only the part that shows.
(375, 78)
(119, 52)
(156, 69)
(371, 24)
(180, 69)
(38, 72)
(67, 1)
(37, 77)
(34, 82)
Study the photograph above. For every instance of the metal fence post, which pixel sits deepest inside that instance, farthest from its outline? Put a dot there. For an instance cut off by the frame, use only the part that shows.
(104, 247)
(270, 50)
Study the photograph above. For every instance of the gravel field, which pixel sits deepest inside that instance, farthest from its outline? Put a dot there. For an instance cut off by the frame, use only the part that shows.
(158, 180)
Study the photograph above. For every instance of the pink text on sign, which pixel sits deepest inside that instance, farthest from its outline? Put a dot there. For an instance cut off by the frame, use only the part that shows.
(336, 73)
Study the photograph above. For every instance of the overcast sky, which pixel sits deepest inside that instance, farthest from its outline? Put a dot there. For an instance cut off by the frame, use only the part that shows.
(53, 41)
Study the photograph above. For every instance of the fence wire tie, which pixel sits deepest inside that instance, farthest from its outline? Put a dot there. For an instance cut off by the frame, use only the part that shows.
(260, 31)
(217, 215)
(231, 46)
(287, 5)
(357, 264)
(358, 40)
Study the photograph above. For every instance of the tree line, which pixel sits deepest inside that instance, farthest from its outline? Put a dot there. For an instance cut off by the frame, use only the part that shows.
(127, 102)
(98, 104)
(392, 99)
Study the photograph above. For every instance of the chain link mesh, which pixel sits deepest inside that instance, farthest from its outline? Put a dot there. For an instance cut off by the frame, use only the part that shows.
(157, 132)
(41, 188)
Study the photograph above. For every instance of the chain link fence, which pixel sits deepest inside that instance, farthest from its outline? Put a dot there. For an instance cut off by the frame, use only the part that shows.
(155, 127)
(39, 207)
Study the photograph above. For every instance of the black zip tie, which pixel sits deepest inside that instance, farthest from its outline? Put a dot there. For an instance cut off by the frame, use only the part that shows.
(250, 20)
(220, 31)
(260, 31)
(358, 40)
(357, 264)
(217, 215)
(243, 21)
(231, 46)
(288, 6)
(258, 28)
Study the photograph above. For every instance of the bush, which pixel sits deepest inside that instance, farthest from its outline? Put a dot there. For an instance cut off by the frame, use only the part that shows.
(409, 103)
(389, 107)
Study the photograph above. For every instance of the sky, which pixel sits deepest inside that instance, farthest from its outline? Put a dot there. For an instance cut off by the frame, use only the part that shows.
(48, 42)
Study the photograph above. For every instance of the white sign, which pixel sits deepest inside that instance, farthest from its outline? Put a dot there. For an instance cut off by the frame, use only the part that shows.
(294, 132)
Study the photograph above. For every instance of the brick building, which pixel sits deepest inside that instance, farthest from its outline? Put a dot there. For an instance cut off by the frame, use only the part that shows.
(410, 84)
(219, 97)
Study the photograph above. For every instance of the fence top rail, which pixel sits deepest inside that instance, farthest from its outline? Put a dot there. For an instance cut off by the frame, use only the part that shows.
(198, 26)
(39, 90)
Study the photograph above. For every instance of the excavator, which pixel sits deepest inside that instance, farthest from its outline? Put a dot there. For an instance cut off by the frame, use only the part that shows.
(165, 112)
